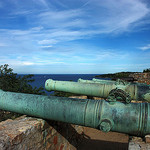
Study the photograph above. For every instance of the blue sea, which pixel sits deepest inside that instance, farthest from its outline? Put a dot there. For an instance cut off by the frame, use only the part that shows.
(41, 78)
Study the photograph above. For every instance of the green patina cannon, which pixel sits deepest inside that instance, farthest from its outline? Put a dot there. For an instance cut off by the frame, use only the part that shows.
(110, 90)
(132, 118)
(94, 80)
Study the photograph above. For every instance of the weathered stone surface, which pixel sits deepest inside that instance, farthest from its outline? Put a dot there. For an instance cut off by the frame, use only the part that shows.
(141, 77)
(134, 146)
(36, 134)
(21, 133)
(137, 143)
(147, 138)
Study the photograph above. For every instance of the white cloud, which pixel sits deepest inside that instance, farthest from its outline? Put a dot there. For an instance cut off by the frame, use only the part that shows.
(59, 15)
(52, 26)
(62, 19)
(105, 17)
(47, 46)
(1, 4)
(119, 16)
(48, 32)
(15, 62)
(52, 41)
(147, 47)
(22, 12)
(26, 63)
(2, 44)
(43, 3)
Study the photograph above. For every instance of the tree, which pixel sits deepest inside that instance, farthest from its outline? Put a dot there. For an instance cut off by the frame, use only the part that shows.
(10, 81)
(146, 70)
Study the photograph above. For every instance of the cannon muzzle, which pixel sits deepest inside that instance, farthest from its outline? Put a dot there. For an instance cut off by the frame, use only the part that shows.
(133, 118)
(108, 89)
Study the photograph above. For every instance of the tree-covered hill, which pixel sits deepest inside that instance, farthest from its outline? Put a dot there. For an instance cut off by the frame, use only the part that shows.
(115, 75)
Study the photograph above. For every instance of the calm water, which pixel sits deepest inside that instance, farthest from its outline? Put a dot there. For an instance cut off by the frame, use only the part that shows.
(41, 78)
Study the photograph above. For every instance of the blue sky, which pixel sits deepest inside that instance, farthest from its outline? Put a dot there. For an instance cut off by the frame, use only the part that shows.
(75, 36)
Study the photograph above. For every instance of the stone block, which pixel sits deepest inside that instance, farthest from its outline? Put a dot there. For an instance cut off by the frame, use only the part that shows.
(147, 138)
(31, 133)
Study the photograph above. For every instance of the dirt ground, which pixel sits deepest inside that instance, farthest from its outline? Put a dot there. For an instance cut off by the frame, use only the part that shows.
(97, 140)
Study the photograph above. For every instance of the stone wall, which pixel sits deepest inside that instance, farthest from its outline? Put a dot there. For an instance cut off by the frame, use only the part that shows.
(141, 77)
(26, 133)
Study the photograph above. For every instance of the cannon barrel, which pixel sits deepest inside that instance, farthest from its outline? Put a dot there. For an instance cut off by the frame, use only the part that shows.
(133, 118)
(94, 80)
(103, 81)
(140, 92)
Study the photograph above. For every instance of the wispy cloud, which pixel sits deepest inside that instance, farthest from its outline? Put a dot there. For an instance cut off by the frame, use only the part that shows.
(96, 18)
(105, 17)
(48, 41)
(21, 12)
(3, 44)
(14, 62)
(0, 4)
(47, 46)
(51, 32)
(123, 14)
(147, 47)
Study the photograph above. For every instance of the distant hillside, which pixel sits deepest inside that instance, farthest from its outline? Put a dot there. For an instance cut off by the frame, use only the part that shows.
(117, 75)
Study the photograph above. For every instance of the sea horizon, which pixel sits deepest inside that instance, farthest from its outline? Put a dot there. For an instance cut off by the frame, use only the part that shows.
(60, 73)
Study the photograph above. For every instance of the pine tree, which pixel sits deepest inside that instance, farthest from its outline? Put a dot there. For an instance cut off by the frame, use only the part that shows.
(12, 82)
